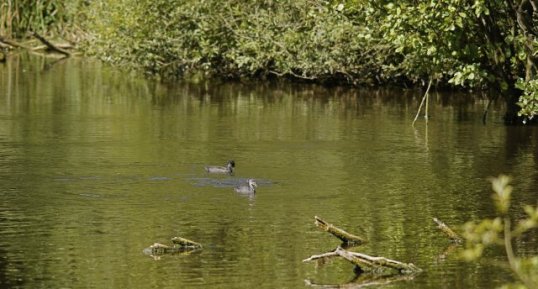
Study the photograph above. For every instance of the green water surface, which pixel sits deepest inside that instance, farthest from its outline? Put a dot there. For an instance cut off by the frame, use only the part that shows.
(97, 164)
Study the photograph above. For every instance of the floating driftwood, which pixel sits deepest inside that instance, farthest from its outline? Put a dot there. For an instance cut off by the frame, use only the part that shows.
(454, 237)
(364, 263)
(181, 245)
(347, 238)
(377, 264)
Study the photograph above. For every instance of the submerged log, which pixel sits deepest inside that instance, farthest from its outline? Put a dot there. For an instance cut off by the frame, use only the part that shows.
(454, 237)
(380, 265)
(346, 237)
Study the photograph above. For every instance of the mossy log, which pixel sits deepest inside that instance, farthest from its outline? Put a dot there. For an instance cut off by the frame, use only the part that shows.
(380, 265)
(181, 245)
(347, 238)
(454, 237)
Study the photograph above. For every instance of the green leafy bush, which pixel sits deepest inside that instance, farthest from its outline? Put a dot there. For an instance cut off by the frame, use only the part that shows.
(499, 231)
(528, 101)
(455, 43)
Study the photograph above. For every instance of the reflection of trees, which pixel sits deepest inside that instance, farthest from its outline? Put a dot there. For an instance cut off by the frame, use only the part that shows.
(362, 280)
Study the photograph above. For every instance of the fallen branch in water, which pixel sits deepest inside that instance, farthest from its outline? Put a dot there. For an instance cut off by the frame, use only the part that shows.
(14, 43)
(454, 237)
(347, 238)
(186, 243)
(181, 245)
(377, 264)
(50, 45)
(366, 263)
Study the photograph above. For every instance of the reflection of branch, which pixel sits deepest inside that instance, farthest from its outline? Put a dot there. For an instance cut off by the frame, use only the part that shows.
(51, 64)
(363, 280)
(447, 251)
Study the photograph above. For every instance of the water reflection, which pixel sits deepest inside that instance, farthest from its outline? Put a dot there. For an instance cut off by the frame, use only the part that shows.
(95, 164)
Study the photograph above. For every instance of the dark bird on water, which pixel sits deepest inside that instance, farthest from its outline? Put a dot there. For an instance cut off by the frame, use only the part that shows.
(228, 169)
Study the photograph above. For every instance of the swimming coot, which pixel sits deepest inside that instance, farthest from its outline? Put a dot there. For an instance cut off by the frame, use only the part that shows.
(228, 169)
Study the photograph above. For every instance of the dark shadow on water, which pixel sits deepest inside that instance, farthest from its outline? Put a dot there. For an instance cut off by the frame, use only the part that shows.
(225, 182)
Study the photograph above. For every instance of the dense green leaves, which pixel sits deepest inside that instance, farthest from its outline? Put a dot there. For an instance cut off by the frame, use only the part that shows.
(474, 44)
(529, 100)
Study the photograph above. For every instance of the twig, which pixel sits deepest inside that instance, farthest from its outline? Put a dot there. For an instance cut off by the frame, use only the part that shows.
(321, 256)
(425, 97)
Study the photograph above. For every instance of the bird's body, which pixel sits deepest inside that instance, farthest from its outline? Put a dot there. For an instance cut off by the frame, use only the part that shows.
(249, 188)
(228, 169)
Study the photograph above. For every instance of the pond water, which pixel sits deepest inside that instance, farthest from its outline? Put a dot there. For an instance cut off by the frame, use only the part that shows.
(97, 164)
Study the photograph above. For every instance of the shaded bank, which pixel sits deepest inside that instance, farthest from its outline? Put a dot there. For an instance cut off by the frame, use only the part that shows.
(449, 44)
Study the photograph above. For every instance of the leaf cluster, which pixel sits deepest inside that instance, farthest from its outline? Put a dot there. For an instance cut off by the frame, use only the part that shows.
(497, 231)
